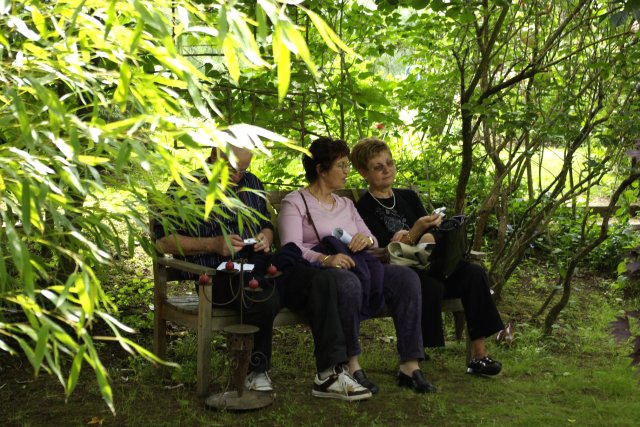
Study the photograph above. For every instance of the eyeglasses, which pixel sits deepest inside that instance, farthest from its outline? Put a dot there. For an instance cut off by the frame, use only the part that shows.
(345, 166)
(380, 167)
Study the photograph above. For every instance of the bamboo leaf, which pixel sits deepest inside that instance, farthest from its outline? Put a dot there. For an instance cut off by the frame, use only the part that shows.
(26, 206)
(326, 32)
(74, 372)
(229, 50)
(93, 160)
(41, 346)
(101, 376)
(4, 346)
(296, 44)
(282, 58)
(122, 91)
(28, 351)
(4, 278)
(261, 17)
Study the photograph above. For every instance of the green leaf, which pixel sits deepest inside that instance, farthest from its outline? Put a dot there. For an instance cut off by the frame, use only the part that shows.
(223, 25)
(282, 58)
(123, 156)
(261, 17)
(26, 206)
(41, 346)
(229, 50)
(328, 35)
(28, 351)
(74, 372)
(122, 91)
(4, 346)
(4, 278)
(102, 377)
(296, 44)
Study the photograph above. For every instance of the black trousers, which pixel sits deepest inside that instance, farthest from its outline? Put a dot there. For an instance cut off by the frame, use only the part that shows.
(258, 309)
(470, 283)
(314, 292)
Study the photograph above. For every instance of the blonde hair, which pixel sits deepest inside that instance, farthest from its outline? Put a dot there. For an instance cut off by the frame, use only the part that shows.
(365, 149)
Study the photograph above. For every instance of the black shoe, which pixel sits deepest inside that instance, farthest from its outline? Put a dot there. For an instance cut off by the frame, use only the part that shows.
(484, 366)
(416, 381)
(362, 379)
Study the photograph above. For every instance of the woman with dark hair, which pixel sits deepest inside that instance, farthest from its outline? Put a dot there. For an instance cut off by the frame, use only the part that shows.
(309, 217)
(397, 215)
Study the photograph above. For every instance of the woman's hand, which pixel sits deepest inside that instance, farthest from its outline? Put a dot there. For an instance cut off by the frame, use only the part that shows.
(338, 261)
(360, 242)
(399, 235)
(429, 221)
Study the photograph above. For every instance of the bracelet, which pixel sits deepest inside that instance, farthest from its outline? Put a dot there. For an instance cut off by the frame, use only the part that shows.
(323, 260)
(371, 241)
(409, 238)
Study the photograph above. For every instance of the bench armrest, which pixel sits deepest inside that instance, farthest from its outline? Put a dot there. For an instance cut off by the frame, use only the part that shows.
(189, 267)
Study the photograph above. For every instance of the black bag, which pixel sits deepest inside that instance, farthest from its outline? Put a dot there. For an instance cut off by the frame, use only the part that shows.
(450, 248)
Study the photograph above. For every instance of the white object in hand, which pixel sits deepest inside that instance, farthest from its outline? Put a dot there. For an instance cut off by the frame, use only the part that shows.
(342, 235)
(440, 211)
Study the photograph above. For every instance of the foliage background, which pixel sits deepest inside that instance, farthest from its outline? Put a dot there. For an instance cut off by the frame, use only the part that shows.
(516, 113)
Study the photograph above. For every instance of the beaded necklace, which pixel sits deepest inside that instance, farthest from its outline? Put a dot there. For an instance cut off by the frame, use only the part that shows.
(393, 205)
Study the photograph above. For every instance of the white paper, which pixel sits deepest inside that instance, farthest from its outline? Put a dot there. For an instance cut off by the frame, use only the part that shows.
(236, 265)
(342, 235)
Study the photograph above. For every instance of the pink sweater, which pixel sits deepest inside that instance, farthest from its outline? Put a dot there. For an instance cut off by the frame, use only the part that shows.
(293, 225)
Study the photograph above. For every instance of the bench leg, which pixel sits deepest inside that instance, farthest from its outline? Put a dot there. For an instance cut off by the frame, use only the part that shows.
(159, 335)
(203, 368)
(159, 322)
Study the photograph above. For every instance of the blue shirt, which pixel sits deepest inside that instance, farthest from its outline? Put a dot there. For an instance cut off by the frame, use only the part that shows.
(250, 191)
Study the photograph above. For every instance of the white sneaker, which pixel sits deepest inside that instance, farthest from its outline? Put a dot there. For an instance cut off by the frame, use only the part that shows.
(258, 381)
(339, 385)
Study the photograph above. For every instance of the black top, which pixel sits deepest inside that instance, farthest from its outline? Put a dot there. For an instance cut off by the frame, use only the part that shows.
(385, 222)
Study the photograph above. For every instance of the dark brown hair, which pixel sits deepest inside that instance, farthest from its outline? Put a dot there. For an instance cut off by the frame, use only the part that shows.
(324, 152)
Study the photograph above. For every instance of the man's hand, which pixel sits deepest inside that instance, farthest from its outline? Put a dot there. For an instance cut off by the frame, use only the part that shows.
(263, 243)
(221, 247)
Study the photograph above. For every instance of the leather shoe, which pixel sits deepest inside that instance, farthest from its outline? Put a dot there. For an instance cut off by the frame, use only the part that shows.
(416, 381)
(365, 382)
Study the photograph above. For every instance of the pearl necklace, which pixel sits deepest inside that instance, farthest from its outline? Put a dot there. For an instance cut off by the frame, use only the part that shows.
(393, 205)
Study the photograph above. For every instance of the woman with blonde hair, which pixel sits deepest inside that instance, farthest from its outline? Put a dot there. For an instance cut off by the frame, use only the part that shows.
(397, 215)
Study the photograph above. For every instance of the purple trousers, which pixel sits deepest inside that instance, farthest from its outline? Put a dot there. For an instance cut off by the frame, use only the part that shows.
(402, 295)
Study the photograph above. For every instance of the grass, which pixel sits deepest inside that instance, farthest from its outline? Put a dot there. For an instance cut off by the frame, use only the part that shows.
(579, 376)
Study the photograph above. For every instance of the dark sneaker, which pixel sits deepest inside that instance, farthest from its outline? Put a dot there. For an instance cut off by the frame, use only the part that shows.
(416, 381)
(339, 385)
(484, 366)
(362, 379)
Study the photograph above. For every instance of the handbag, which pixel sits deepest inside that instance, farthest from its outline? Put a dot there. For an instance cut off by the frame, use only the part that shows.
(409, 255)
(450, 248)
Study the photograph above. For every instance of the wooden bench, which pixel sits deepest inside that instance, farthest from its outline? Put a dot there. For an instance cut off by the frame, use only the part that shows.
(196, 313)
